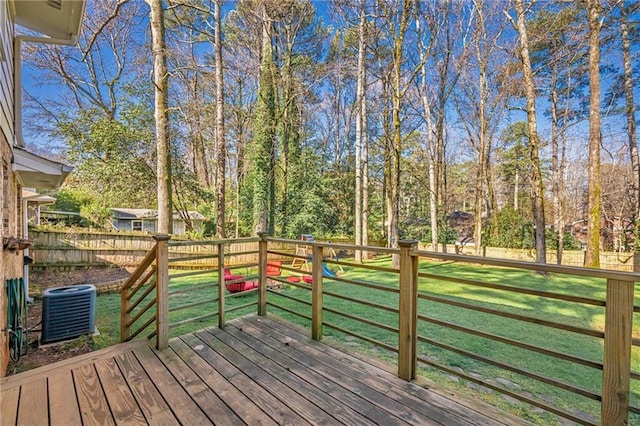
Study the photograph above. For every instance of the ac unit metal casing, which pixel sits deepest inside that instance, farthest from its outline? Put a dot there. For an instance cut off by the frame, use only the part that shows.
(68, 312)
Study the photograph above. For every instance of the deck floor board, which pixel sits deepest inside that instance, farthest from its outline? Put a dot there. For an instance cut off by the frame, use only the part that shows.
(94, 408)
(121, 401)
(255, 371)
(34, 394)
(63, 401)
(9, 405)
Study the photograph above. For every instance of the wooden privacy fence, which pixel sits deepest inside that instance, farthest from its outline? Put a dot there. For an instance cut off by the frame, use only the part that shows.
(416, 308)
(611, 260)
(80, 248)
(71, 248)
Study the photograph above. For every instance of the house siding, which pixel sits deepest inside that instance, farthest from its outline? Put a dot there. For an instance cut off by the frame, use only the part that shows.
(10, 262)
(6, 73)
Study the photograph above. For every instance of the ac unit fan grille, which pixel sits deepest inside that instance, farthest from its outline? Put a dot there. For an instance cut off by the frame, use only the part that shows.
(68, 312)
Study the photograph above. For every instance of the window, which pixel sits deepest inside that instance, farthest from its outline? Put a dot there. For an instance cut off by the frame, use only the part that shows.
(136, 225)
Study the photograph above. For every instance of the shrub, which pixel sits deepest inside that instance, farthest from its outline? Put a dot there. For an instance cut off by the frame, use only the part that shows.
(513, 231)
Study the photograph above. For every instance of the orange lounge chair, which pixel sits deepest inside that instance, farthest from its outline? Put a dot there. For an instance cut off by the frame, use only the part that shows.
(274, 268)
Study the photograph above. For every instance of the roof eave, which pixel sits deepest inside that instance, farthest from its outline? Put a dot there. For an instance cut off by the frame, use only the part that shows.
(33, 171)
(45, 17)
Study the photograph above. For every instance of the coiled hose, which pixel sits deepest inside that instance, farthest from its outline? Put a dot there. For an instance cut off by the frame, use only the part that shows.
(16, 316)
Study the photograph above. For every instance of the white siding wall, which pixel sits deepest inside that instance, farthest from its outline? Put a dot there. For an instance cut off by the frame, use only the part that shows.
(6, 71)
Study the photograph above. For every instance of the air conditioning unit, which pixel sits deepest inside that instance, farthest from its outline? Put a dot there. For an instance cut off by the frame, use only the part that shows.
(68, 312)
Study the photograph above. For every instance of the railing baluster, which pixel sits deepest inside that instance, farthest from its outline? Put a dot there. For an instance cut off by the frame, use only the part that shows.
(162, 291)
(125, 315)
(617, 352)
(408, 301)
(316, 293)
(221, 286)
(262, 273)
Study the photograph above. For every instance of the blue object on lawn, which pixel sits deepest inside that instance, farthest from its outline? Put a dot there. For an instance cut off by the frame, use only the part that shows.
(327, 272)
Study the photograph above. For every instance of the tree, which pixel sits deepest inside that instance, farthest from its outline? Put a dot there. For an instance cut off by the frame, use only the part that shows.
(360, 133)
(630, 113)
(189, 30)
(397, 25)
(559, 57)
(592, 254)
(262, 152)
(242, 67)
(431, 136)
(102, 118)
(534, 142)
(221, 146)
(161, 115)
(479, 101)
(514, 164)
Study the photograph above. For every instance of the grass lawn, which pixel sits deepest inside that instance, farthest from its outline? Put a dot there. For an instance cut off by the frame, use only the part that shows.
(557, 311)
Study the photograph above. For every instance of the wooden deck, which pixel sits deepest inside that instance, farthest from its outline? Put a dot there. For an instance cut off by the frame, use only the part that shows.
(255, 371)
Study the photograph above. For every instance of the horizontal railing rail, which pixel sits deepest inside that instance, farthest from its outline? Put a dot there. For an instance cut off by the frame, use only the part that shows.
(615, 337)
(472, 318)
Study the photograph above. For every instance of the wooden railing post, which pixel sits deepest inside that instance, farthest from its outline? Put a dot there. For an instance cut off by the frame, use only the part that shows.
(162, 290)
(221, 286)
(316, 293)
(408, 311)
(125, 315)
(262, 273)
(617, 352)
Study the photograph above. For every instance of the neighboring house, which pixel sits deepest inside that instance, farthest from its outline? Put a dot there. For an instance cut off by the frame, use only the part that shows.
(58, 22)
(145, 220)
(616, 233)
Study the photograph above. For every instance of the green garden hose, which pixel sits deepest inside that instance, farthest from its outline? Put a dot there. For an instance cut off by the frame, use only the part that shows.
(16, 316)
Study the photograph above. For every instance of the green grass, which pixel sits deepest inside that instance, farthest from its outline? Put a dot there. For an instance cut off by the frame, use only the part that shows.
(578, 315)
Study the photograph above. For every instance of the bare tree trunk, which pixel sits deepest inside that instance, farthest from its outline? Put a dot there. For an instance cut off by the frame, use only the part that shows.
(444, 93)
(491, 190)
(477, 211)
(195, 124)
(562, 167)
(338, 101)
(221, 146)
(536, 176)
(359, 135)
(386, 126)
(161, 115)
(240, 143)
(482, 136)
(365, 175)
(631, 122)
(397, 95)
(516, 189)
(431, 147)
(592, 255)
(555, 167)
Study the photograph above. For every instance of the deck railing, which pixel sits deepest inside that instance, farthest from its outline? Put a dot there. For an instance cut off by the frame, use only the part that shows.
(150, 297)
(405, 306)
